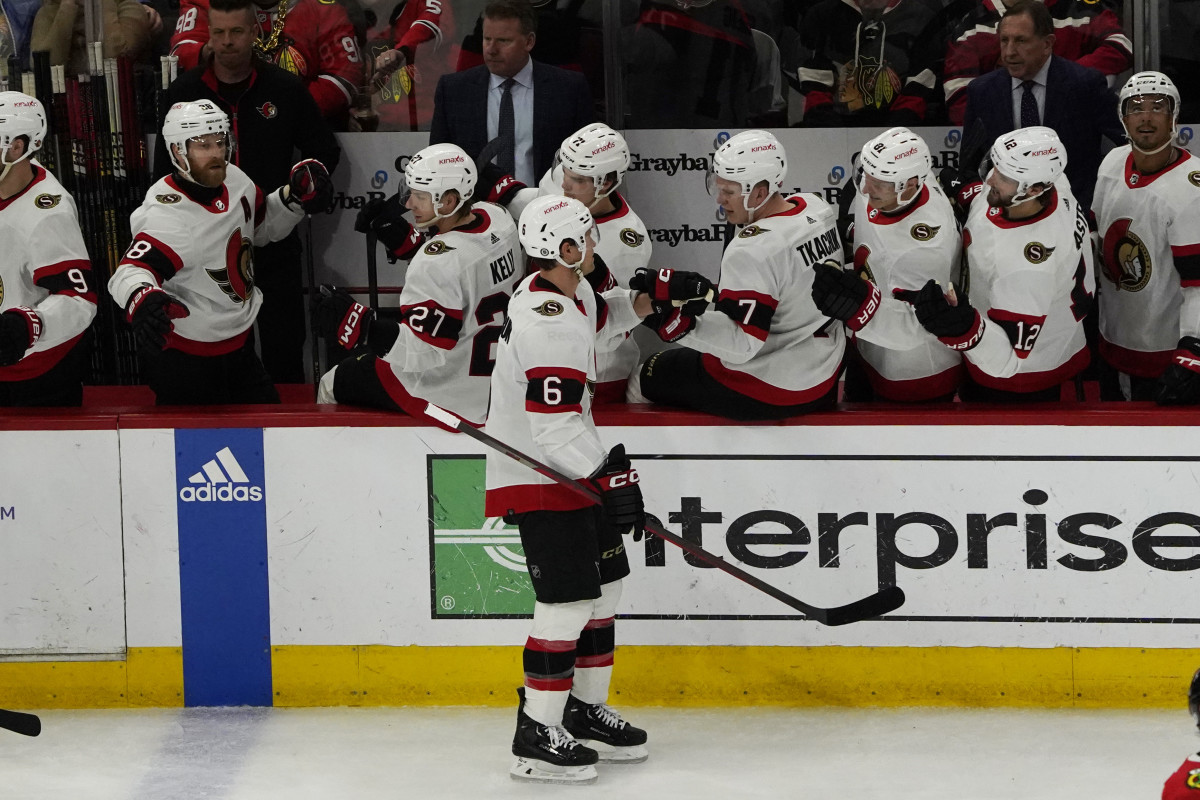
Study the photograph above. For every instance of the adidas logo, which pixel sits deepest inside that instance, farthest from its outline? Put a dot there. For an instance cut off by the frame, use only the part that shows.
(495, 239)
(218, 480)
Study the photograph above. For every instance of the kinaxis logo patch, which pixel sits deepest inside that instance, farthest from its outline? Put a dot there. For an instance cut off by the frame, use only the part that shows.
(221, 479)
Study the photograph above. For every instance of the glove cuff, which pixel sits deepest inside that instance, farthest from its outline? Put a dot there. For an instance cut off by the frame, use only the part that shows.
(970, 338)
(356, 326)
(866, 310)
(33, 322)
(1187, 355)
(136, 299)
(505, 190)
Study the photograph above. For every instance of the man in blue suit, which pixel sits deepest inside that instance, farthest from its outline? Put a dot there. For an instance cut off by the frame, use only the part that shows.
(541, 104)
(1035, 87)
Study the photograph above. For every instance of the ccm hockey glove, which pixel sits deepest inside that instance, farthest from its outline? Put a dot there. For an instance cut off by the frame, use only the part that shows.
(959, 327)
(150, 311)
(309, 187)
(342, 319)
(385, 218)
(844, 295)
(1179, 384)
(20, 328)
(620, 493)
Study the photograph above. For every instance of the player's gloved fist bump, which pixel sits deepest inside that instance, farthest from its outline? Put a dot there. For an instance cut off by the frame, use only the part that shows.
(385, 218)
(959, 327)
(844, 295)
(150, 311)
(670, 323)
(676, 286)
(620, 493)
(1179, 384)
(959, 185)
(497, 186)
(20, 328)
(342, 319)
(309, 186)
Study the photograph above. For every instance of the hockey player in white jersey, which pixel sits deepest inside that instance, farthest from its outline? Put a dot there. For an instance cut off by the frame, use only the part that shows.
(1030, 272)
(186, 282)
(1147, 206)
(767, 351)
(541, 405)
(906, 235)
(47, 294)
(453, 305)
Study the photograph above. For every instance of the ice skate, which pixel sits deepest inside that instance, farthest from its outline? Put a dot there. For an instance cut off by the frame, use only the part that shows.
(601, 728)
(548, 754)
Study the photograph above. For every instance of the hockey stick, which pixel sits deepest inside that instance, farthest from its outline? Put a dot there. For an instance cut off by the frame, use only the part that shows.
(18, 722)
(372, 271)
(311, 273)
(882, 602)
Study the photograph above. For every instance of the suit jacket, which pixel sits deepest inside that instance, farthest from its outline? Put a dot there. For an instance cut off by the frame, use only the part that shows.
(562, 104)
(1079, 107)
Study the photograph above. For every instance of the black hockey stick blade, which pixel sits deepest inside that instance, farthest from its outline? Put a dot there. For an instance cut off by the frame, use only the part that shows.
(881, 602)
(19, 722)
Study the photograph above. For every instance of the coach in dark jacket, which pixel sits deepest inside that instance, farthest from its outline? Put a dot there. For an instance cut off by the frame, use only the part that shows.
(272, 115)
(1075, 101)
(548, 104)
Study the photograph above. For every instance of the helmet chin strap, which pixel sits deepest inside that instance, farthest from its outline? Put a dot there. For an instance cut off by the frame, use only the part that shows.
(8, 165)
(1156, 150)
(750, 212)
(438, 217)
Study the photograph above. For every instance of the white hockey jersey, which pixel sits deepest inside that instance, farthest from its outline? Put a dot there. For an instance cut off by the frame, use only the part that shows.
(541, 392)
(1150, 229)
(1031, 281)
(200, 248)
(624, 247)
(903, 250)
(45, 267)
(766, 339)
(454, 303)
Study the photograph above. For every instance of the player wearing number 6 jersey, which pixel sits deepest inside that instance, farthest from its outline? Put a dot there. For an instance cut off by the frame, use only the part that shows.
(47, 299)
(453, 304)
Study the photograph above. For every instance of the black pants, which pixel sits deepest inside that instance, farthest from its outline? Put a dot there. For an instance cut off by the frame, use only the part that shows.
(677, 378)
(180, 379)
(61, 385)
(278, 272)
(570, 554)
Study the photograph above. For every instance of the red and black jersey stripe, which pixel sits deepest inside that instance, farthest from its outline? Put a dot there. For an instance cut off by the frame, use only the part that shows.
(554, 390)
(435, 324)
(751, 311)
(149, 253)
(72, 278)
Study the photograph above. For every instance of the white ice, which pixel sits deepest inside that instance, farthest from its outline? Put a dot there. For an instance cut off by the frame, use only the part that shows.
(367, 753)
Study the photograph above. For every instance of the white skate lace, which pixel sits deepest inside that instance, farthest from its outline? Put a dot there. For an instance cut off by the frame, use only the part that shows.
(559, 738)
(609, 716)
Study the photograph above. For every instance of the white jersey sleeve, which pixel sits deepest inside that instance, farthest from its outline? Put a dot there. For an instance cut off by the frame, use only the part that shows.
(273, 219)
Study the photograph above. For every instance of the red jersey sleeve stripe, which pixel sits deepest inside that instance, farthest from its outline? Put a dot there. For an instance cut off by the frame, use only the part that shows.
(56, 279)
(149, 253)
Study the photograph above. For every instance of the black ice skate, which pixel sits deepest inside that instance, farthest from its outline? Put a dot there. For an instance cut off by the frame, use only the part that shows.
(548, 754)
(602, 728)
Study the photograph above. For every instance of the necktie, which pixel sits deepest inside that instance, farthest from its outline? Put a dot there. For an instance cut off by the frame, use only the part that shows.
(506, 130)
(1029, 110)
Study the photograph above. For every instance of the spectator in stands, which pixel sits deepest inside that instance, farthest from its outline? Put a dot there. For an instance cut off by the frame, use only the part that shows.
(313, 39)
(1035, 87)
(529, 106)
(1087, 32)
(864, 68)
(418, 51)
(277, 119)
(1184, 783)
(59, 28)
(19, 15)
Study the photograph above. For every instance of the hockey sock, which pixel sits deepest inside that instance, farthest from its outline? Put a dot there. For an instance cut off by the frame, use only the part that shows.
(549, 658)
(594, 650)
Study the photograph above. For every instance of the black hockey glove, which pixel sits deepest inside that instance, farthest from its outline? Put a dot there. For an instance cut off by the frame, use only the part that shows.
(669, 287)
(495, 186)
(844, 295)
(342, 319)
(1179, 385)
(150, 312)
(959, 327)
(620, 493)
(20, 328)
(670, 323)
(386, 219)
(309, 187)
(961, 187)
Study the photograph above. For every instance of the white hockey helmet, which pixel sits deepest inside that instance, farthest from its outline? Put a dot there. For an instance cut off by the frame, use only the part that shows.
(1029, 156)
(20, 115)
(896, 156)
(595, 151)
(187, 120)
(550, 220)
(438, 169)
(749, 158)
(1149, 83)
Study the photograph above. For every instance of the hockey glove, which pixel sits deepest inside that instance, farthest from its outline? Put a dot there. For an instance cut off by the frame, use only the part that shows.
(309, 187)
(620, 493)
(1179, 385)
(496, 186)
(20, 328)
(670, 323)
(843, 295)
(959, 326)
(342, 319)
(960, 186)
(668, 287)
(150, 311)
(386, 219)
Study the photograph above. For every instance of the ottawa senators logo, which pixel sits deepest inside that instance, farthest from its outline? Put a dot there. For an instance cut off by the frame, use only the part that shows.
(167, 199)
(550, 308)
(923, 233)
(1037, 253)
(236, 278)
(631, 237)
(437, 247)
(1194, 178)
(751, 231)
(1126, 259)
(47, 200)
(268, 110)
